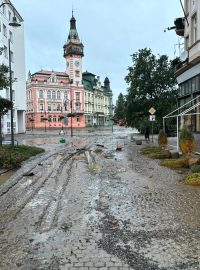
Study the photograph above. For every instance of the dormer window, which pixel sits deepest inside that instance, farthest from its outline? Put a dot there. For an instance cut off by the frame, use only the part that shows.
(53, 79)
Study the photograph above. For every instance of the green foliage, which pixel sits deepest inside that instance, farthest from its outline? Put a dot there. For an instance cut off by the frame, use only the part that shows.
(174, 163)
(192, 179)
(119, 113)
(151, 83)
(186, 134)
(186, 141)
(4, 80)
(162, 138)
(12, 157)
(195, 168)
(5, 105)
(156, 152)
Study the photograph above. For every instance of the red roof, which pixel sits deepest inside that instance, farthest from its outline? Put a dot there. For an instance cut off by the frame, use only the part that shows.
(47, 72)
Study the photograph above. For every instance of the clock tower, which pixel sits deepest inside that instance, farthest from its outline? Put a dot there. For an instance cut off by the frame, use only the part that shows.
(73, 53)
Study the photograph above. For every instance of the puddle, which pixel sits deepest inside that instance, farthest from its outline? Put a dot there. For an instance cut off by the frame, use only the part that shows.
(5, 176)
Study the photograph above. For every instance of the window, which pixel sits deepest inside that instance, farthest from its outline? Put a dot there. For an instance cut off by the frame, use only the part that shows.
(4, 9)
(48, 94)
(54, 118)
(13, 95)
(11, 57)
(77, 96)
(78, 118)
(77, 73)
(41, 94)
(65, 95)
(187, 43)
(187, 6)
(12, 75)
(50, 118)
(77, 106)
(65, 105)
(42, 118)
(58, 95)
(194, 28)
(4, 30)
(53, 95)
(41, 106)
(10, 36)
(5, 51)
(9, 15)
(49, 106)
(58, 107)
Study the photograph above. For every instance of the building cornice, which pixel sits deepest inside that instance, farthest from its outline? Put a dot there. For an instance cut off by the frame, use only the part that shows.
(187, 66)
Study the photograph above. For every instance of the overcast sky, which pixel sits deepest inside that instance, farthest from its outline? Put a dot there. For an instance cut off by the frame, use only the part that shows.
(111, 30)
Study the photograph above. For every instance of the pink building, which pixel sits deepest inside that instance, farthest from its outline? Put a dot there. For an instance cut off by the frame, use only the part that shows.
(54, 97)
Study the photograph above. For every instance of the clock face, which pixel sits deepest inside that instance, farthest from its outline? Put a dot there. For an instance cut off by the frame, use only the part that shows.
(77, 63)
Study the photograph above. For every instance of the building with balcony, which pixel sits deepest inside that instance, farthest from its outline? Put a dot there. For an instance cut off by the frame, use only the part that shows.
(50, 99)
(188, 66)
(98, 100)
(13, 36)
(53, 97)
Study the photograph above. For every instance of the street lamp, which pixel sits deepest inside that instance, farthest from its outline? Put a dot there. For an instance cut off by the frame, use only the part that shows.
(44, 119)
(71, 82)
(13, 23)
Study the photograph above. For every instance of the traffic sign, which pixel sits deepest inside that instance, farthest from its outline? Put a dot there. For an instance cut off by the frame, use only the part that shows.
(152, 110)
(152, 118)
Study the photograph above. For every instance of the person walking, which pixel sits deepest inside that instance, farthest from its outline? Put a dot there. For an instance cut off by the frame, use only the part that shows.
(146, 133)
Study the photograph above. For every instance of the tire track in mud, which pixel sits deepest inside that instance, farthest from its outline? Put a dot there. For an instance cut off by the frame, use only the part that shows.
(49, 216)
(11, 184)
(12, 208)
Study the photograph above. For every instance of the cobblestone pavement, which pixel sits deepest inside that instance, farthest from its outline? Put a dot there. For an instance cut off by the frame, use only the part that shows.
(87, 206)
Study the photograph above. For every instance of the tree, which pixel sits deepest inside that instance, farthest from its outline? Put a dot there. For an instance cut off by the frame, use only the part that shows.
(119, 113)
(5, 104)
(151, 83)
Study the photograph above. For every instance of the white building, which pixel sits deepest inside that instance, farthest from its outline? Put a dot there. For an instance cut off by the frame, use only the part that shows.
(16, 37)
(188, 65)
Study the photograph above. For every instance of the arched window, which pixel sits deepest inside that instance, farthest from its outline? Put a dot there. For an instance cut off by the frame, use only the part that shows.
(58, 95)
(48, 94)
(41, 94)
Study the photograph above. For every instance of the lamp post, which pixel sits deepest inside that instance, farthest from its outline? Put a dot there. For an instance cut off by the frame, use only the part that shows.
(44, 119)
(14, 23)
(71, 82)
(32, 119)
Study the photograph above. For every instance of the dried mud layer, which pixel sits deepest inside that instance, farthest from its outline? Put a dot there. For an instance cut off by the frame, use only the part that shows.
(88, 206)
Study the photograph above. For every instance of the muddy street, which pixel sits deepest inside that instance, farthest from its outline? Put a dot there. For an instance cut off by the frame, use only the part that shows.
(85, 205)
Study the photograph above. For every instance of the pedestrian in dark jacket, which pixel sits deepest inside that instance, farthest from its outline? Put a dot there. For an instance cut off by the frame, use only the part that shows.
(146, 133)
